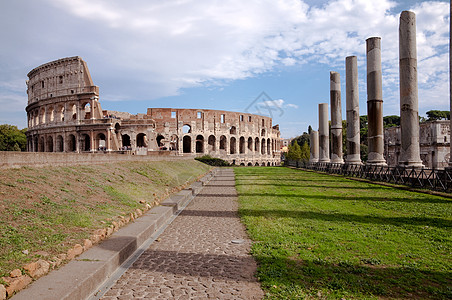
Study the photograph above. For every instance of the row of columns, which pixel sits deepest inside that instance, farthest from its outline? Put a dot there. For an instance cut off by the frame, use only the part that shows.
(409, 112)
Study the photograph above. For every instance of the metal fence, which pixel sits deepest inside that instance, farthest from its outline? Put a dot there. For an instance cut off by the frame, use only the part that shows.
(434, 179)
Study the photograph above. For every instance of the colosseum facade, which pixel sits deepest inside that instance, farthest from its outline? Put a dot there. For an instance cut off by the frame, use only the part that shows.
(65, 115)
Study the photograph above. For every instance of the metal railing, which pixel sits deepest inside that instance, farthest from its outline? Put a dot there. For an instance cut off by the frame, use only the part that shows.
(434, 179)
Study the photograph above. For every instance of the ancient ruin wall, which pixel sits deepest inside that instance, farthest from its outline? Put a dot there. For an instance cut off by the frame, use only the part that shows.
(65, 115)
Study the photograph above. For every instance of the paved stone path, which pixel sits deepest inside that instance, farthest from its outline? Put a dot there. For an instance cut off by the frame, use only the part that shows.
(195, 258)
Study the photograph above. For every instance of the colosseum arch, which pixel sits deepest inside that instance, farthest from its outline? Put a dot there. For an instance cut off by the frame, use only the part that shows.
(101, 141)
(268, 147)
(199, 144)
(250, 144)
(263, 147)
(126, 140)
(223, 143)
(174, 142)
(233, 145)
(71, 143)
(142, 140)
(186, 144)
(242, 145)
(85, 142)
(49, 146)
(186, 128)
(74, 112)
(59, 143)
(159, 140)
(233, 130)
(86, 111)
(211, 142)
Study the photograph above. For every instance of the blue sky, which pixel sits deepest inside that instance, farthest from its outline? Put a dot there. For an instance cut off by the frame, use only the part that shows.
(221, 54)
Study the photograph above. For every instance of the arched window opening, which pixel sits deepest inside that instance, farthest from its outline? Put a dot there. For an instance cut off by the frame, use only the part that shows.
(268, 146)
(86, 143)
(59, 144)
(233, 130)
(72, 143)
(223, 142)
(250, 144)
(256, 164)
(74, 112)
(160, 142)
(263, 146)
(51, 114)
(87, 111)
(142, 140)
(263, 132)
(117, 128)
(61, 114)
(242, 145)
(256, 145)
(233, 145)
(49, 144)
(186, 141)
(41, 144)
(42, 116)
(174, 143)
(199, 144)
(101, 142)
(186, 129)
(211, 143)
(126, 145)
(249, 164)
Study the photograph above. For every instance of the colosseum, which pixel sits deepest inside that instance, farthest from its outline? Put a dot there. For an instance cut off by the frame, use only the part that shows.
(65, 115)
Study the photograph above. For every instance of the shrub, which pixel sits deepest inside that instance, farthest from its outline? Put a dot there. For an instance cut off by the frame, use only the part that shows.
(212, 161)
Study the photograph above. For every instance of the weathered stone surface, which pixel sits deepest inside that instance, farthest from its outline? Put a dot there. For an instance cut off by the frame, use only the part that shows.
(15, 273)
(314, 146)
(194, 258)
(87, 244)
(374, 102)
(64, 110)
(409, 108)
(324, 141)
(16, 284)
(37, 269)
(336, 118)
(352, 106)
(2, 292)
(77, 250)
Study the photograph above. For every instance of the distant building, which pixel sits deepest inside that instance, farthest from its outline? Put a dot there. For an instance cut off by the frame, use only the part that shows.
(434, 144)
(285, 144)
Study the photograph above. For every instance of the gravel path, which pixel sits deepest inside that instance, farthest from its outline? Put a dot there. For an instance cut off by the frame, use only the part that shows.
(197, 257)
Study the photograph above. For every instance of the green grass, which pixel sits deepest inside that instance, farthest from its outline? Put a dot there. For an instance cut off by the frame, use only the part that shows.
(53, 208)
(322, 236)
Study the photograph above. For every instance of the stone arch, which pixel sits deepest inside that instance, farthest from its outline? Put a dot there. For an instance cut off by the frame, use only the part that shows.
(42, 116)
(59, 144)
(233, 145)
(199, 144)
(257, 145)
(242, 164)
(60, 114)
(263, 132)
(51, 111)
(242, 145)
(263, 164)
(35, 144)
(71, 143)
(233, 130)
(41, 144)
(159, 140)
(86, 142)
(263, 146)
(223, 143)
(186, 144)
(126, 142)
(268, 164)
(86, 109)
(142, 140)
(101, 141)
(256, 164)
(268, 147)
(174, 143)
(74, 112)
(186, 128)
(249, 164)
(49, 146)
(250, 144)
(211, 142)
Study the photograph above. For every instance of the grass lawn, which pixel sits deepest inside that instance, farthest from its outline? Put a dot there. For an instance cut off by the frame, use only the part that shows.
(45, 211)
(323, 236)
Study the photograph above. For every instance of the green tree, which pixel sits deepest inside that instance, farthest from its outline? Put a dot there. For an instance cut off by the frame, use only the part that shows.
(438, 115)
(12, 139)
(294, 152)
(391, 121)
(305, 152)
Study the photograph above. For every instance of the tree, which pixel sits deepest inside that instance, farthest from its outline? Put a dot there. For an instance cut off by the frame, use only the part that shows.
(302, 139)
(294, 152)
(438, 115)
(305, 152)
(391, 121)
(12, 139)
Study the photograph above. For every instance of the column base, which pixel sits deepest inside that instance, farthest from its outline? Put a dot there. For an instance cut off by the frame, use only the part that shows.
(415, 165)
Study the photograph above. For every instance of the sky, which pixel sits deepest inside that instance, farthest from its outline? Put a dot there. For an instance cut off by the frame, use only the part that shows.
(257, 56)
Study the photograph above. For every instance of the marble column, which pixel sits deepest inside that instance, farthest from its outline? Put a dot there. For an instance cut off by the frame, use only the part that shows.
(324, 139)
(409, 111)
(374, 102)
(352, 104)
(336, 118)
(314, 145)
